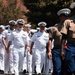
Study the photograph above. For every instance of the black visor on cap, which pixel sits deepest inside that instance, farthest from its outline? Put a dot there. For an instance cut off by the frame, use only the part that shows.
(64, 14)
(12, 24)
(20, 23)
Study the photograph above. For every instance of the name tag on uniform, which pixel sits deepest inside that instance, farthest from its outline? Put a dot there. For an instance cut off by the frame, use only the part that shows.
(46, 36)
(38, 36)
(24, 35)
(0, 43)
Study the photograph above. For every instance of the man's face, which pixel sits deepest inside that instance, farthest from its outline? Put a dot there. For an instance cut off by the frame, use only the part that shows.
(0, 30)
(12, 27)
(28, 28)
(42, 27)
(62, 18)
(20, 25)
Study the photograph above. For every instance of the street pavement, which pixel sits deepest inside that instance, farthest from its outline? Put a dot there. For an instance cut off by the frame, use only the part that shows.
(26, 74)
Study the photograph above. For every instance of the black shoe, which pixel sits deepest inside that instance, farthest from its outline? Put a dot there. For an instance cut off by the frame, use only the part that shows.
(39, 74)
(24, 72)
(11, 74)
(1, 72)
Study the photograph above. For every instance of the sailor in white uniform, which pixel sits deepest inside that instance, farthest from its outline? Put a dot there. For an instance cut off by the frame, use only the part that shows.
(20, 41)
(28, 58)
(40, 39)
(2, 50)
(5, 37)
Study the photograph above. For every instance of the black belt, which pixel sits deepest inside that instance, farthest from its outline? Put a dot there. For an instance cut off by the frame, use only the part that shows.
(57, 47)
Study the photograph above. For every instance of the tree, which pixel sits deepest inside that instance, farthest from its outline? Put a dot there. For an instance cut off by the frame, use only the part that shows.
(9, 12)
(45, 10)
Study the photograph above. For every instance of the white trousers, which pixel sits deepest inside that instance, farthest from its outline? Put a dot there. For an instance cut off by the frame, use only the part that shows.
(48, 65)
(27, 64)
(11, 64)
(2, 59)
(6, 58)
(39, 60)
(33, 61)
(18, 57)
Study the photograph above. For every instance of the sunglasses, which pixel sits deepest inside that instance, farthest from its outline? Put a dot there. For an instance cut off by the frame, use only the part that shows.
(12, 25)
(20, 24)
(42, 26)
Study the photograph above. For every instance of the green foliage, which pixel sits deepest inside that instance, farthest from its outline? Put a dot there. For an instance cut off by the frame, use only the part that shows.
(39, 10)
(45, 10)
(9, 12)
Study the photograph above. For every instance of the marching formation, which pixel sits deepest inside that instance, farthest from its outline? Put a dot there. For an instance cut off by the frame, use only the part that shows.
(40, 50)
